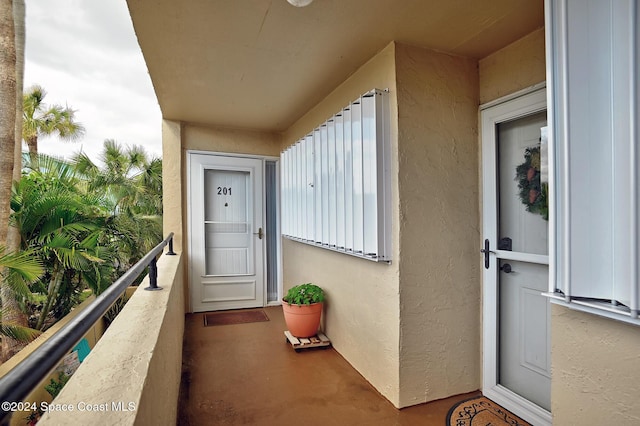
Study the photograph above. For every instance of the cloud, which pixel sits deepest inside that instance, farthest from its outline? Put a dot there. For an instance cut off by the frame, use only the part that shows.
(86, 55)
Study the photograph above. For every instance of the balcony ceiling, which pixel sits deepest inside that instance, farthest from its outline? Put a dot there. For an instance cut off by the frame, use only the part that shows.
(261, 64)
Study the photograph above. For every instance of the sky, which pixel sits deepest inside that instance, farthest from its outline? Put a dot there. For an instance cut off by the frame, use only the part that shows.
(85, 54)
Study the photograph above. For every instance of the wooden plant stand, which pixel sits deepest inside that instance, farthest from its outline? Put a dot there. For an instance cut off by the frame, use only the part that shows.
(317, 341)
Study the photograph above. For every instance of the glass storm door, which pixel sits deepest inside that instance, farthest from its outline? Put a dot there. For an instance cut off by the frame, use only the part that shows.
(516, 356)
(226, 233)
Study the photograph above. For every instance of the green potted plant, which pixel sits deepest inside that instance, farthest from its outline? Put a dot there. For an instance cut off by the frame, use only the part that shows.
(302, 307)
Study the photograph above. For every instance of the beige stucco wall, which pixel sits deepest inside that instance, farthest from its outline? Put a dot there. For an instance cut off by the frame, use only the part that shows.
(361, 315)
(137, 361)
(439, 225)
(401, 325)
(227, 140)
(172, 197)
(513, 68)
(595, 375)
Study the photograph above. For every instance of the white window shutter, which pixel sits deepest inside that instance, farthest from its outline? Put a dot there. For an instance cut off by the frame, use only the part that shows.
(336, 182)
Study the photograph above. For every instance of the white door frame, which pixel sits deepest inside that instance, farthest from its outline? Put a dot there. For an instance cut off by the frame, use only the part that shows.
(190, 225)
(512, 107)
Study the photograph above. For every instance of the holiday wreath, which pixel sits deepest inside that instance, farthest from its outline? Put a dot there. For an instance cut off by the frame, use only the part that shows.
(533, 193)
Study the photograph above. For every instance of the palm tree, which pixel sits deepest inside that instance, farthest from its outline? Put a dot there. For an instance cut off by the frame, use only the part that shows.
(86, 228)
(19, 23)
(7, 110)
(7, 126)
(42, 120)
(62, 226)
(82, 236)
(131, 185)
(131, 182)
(11, 310)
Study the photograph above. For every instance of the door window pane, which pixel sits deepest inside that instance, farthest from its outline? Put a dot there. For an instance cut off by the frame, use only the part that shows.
(524, 211)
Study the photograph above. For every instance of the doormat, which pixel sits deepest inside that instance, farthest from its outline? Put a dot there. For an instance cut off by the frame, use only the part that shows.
(482, 411)
(234, 317)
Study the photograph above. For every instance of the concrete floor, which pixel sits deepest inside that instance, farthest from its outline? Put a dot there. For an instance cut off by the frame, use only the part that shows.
(247, 374)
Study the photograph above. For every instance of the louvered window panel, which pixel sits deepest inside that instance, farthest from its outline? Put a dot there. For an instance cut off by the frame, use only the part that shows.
(336, 182)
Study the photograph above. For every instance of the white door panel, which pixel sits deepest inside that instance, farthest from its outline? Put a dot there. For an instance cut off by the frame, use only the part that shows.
(226, 217)
(524, 332)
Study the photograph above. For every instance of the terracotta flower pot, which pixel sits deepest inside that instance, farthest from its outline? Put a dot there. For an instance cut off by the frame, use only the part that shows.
(302, 320)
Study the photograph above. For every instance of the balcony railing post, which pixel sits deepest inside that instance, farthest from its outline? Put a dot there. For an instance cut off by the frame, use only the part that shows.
(171, 252)
(153, 276)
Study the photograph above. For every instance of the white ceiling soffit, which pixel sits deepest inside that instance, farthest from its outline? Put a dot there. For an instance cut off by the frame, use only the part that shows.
(261, 64)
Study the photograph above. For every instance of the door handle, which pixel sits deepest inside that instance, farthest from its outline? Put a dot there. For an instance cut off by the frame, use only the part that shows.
(259, 233)
(486, 252)
(506, 268)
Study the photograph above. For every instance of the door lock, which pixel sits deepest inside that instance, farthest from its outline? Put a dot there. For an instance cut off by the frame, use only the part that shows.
(505, 243)
(506, 268)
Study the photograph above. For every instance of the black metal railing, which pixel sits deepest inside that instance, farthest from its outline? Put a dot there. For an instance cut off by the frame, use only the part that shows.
(24, 377)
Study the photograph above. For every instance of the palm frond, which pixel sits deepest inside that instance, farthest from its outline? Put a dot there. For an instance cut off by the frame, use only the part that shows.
(84, 165)
(60, 120)
(52, 166)
(91, 257)
(23, 263)
(20, 270)
(18, 332)
(71, 258)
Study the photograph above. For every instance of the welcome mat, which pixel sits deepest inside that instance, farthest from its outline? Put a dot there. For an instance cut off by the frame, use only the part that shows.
(234, 317)
(480, 411)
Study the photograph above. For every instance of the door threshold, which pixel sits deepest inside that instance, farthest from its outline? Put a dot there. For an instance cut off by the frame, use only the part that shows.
(521, 407)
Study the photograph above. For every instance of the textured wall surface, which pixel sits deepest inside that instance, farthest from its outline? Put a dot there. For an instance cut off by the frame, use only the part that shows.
(361, 312)
(378, 73)
(515, 67)
(231, 140)
(415, 335)
(439, 225)
(145, 369)
(595, 374)
(361, 315)
(172, 203)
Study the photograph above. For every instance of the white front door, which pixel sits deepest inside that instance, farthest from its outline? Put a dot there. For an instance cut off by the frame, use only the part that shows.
(516, 316)
(226, 232)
